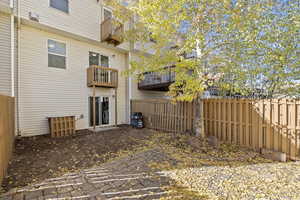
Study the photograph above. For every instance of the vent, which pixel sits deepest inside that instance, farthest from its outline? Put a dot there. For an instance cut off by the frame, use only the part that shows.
(34, 17)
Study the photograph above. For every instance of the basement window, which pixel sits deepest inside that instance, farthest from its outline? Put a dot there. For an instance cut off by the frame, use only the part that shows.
(56, 54)
(62, 5)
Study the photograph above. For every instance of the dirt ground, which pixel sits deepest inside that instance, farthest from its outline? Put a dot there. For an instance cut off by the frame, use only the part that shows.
(195, 169)
(42, 157)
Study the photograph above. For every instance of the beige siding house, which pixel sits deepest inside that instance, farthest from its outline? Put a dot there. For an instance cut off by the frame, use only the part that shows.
(58, 42)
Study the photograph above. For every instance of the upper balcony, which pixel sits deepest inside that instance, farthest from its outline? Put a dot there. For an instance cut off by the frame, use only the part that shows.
(112, 31)
(157, 81)
(102, 77)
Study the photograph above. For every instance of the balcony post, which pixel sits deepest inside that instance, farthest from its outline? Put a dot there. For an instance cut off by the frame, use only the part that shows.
(116, 106)
(94, 107)
(94, 75)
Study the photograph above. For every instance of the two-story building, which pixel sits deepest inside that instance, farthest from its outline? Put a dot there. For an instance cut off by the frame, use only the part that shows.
(65, 57)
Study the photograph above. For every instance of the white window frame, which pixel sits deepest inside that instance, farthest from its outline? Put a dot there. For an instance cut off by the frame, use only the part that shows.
(108, 9)
(66, 56)
(68, 12)
(100, 64)
(102, 54)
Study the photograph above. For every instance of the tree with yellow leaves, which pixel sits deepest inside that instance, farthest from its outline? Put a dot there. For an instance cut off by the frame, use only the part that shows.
(240, 46)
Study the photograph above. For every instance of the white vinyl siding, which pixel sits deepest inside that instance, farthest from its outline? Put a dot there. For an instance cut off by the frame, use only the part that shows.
(48, 91)
(84, 17)
(4, 3)
(5, 55)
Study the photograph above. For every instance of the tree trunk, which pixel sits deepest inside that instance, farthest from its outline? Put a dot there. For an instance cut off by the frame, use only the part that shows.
(198, 123)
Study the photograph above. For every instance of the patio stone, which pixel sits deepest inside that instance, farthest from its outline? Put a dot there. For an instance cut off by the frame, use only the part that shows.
(126, 177)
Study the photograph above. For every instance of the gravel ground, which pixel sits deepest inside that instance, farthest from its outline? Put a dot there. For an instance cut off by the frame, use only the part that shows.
(259, 181)
(229, 172)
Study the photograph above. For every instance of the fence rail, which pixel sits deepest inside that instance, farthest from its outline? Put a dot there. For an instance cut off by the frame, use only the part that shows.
(7, 132)
(258, 124)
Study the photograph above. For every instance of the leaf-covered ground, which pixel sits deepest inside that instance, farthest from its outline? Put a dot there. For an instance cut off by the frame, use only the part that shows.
(196, 170)
(229, 172)
(38, 158)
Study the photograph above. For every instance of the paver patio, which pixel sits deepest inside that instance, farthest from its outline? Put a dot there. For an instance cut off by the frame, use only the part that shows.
(126, 178)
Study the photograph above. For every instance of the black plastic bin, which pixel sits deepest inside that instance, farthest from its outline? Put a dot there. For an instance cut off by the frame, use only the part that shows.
(137, 120)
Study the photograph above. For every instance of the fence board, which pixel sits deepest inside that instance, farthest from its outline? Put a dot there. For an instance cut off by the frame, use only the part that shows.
(7, 132)
(269, 124)
(257, 124)
(166, 115)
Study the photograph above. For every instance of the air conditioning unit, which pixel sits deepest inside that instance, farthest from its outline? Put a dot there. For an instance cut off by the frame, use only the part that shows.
(34, 17)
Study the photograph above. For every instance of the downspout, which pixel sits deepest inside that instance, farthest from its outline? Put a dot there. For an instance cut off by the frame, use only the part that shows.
(131, 48)
(129, 85)
(12, 47)
(18, 65)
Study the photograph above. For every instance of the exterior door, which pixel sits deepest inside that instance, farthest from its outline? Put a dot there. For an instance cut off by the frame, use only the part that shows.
(97, 110)
(105, 110)
(101, 110)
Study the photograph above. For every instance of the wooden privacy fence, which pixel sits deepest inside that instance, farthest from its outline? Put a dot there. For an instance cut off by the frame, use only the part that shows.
(258, 124)
(163, 115)
(7, 132)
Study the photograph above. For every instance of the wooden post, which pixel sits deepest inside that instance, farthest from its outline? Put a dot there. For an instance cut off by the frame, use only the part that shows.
(94, 106)
(116, 106)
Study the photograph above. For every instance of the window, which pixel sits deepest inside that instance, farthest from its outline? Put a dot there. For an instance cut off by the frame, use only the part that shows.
(93, 58)
(62, 5)
(56, 54)
(104, 61)
(97, 59)
(107, 14)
